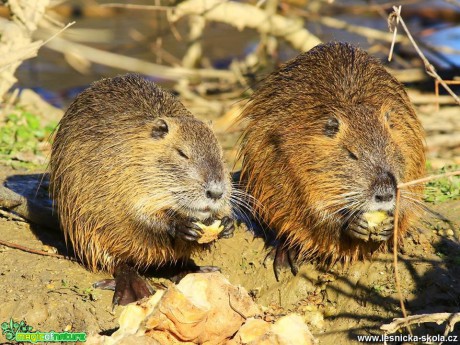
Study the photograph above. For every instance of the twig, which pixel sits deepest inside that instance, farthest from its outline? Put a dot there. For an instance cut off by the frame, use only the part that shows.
(28, 52)
(35, 251)
(430, 70)
(369, 33)
(450, 318)
(136, 65)
(436, 89)
(234, 309)
(57, 33)
(139, 7)
(395, 255)
(428, 178)
(393, 28)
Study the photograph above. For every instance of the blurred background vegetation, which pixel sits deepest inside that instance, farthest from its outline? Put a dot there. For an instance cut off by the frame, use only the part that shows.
(211, 53)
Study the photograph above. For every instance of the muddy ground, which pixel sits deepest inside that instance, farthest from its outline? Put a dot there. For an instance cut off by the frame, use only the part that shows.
(56, 294)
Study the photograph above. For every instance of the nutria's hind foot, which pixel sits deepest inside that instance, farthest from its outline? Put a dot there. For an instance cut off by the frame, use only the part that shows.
(283, 257)
(128, 285)
(229, 227)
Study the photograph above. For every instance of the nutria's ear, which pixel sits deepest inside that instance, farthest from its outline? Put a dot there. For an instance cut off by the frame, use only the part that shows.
(332, 127)
(160, 128)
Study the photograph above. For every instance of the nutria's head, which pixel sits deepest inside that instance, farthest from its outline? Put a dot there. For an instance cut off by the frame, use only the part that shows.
(179, 169)
(338, 133)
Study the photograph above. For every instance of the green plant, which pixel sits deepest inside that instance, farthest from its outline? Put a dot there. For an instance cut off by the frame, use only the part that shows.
(22, 132)
(443, 189)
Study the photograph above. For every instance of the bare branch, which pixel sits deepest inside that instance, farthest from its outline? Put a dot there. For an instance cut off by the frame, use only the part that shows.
(136, 65)
(450, 318)
(138, 7)
(242, 16)
(428, 66)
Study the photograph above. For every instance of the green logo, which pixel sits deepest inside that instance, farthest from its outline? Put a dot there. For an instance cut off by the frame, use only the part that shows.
(10, 329)
(22, 332)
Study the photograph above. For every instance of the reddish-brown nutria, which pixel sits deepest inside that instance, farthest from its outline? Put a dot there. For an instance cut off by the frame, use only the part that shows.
(328, 137)
(131, 172)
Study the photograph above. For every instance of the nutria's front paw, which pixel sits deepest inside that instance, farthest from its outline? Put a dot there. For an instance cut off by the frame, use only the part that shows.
(383, 231)
(229, 227)
(359, 229)
(364, 230)
(186, 229)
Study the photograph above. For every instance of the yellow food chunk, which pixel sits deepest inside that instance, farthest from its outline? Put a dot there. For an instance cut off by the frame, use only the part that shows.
(210, 232)
(375, 218)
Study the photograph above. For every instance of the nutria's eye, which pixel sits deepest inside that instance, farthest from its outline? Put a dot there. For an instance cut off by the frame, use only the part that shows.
(332, 127)
(387, 116)
(160, 129)
(182, 154)
(388, 119)
(352, 155)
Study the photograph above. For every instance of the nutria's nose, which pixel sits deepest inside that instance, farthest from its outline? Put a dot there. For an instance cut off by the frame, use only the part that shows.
(214, 191)
(385, 187)
(384, 197)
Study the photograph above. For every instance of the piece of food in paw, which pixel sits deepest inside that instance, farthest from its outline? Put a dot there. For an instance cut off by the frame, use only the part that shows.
(210, 232)
(375, 218)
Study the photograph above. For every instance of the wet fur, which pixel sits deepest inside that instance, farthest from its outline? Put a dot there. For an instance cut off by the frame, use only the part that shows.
(308, 185)
(117, 189)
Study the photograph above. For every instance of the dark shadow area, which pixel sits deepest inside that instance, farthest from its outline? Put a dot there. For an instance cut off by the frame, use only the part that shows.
(428, 286)
(35, 205)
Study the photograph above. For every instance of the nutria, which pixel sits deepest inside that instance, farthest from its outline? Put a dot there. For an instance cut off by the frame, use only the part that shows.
(131, 172)
(328, 137)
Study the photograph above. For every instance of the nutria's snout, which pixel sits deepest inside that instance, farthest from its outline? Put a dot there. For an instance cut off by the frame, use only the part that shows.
(374, 222)
(208, 201)
(213, 201)
(215, 190)
(383, 189)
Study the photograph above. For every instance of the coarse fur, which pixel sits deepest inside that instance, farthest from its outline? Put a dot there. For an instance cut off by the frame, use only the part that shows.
(120, 181)
(320, 133)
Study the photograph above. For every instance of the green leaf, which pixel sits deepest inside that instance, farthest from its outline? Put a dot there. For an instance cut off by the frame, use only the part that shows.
(13, 118)
(32, 120)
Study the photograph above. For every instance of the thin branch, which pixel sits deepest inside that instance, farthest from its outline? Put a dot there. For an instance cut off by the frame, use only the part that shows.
(136, 65)
(365, 31)
(430, 70)
(29, 51)
(139, 7)
(34, 251)
(428, 178)
(393, 28)
(450, 318)
(395, 255)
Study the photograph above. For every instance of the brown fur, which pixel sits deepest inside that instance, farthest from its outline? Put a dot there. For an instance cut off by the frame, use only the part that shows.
(116, 188)
(299, 176)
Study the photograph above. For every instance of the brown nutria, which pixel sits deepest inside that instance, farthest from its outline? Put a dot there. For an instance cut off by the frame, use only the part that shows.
(328, 137)
(131, 173)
